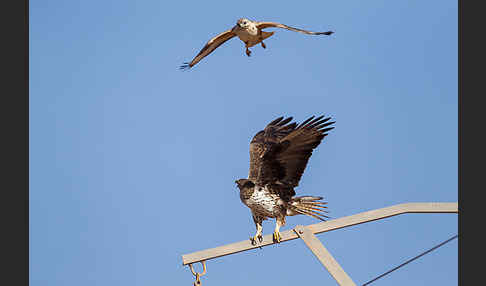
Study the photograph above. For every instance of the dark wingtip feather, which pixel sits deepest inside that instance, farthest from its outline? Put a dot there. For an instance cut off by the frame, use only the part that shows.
(327, 33)
(307, 120)
(327, 129)
(308, 124)
(276, 121)
(285, 121)
(315, 122)
(185, 66)
(289, 126)
(321, 126)
(321, 122)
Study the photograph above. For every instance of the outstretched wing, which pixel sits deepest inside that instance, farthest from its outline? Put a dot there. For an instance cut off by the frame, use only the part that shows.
(210, 46)
(280, 152)
(266, 141)
(263, 25)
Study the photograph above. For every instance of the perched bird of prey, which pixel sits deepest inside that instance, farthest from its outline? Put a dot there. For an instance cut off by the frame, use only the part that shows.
(278, 157)
(250, 32)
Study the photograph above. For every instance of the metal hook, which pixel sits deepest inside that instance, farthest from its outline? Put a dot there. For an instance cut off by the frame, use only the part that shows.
(198, 275)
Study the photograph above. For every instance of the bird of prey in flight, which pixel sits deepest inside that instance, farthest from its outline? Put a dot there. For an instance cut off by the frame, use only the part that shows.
(278, 157)
(250, 32)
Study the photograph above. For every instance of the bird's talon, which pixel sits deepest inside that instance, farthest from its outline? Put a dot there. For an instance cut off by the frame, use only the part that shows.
(253, 239)
(276, 237)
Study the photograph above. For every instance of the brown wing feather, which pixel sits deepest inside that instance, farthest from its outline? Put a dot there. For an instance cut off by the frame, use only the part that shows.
(280, 152)
(301, 143)
(264, 142)
(210, 46)
(263, 25)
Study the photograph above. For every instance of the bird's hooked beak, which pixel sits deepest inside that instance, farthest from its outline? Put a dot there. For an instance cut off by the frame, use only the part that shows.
(240, 23)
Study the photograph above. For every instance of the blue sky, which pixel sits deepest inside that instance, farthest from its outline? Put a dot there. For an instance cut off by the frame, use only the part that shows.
(133, 162)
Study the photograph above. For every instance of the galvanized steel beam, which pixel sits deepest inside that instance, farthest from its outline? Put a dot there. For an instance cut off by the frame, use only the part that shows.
(323, 227)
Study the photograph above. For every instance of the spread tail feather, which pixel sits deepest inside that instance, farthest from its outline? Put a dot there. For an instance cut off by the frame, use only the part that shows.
(308, 205)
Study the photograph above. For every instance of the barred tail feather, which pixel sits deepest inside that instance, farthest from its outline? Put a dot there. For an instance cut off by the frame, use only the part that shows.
(308, 205)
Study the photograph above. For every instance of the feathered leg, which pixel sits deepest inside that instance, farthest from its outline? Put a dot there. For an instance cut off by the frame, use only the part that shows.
(258, 234)
(280, 221)
(248, 52)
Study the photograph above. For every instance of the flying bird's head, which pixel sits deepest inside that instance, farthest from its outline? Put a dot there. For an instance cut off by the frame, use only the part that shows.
(243, 22)
(244, 184)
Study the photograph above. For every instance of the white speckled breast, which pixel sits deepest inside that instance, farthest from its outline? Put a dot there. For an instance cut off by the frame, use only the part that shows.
(264, 203)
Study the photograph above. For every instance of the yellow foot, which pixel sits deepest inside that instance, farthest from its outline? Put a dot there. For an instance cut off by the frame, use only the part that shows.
(254, 239)
(277, 237)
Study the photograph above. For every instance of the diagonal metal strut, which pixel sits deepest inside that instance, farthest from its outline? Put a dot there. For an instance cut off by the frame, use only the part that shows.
(324, 256)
